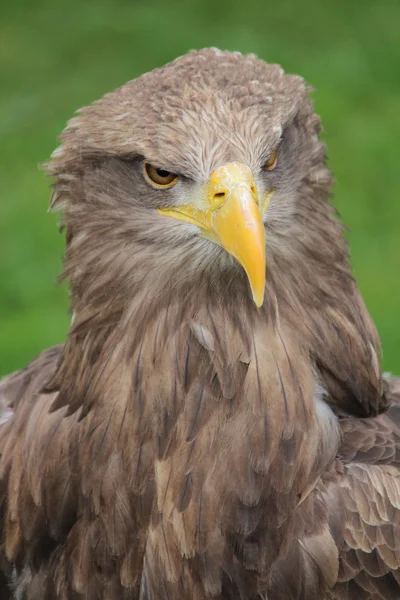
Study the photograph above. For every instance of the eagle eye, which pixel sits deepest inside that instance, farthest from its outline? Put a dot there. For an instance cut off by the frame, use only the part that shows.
(159, 178)
(271, 162)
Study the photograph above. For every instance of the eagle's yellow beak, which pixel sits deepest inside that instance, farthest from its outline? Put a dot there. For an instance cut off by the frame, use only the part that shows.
(231, 215)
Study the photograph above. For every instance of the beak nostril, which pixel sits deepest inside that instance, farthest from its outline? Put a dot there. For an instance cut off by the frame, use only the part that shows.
(253, 189)
(219, 195)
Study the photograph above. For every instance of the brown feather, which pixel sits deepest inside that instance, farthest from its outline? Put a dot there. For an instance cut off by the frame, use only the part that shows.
(183, 443)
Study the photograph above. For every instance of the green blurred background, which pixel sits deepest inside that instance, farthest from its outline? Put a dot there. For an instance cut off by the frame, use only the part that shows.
(58, 55)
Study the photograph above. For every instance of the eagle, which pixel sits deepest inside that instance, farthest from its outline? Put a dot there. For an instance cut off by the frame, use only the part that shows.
(216, 424)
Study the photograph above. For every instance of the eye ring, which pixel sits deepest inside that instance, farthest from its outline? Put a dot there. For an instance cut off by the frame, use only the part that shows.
(272, 160)
(159, 178)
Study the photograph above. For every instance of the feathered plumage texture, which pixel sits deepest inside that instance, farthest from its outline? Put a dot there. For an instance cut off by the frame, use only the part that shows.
(183, 443)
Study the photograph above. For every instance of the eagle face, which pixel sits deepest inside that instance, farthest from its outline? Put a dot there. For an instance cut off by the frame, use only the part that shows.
(195, 174)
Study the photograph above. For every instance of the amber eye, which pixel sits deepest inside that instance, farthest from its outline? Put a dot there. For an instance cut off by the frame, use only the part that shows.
(159, 177)
(271, 162)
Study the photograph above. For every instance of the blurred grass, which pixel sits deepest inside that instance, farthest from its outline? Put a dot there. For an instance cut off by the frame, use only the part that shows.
(56, 56)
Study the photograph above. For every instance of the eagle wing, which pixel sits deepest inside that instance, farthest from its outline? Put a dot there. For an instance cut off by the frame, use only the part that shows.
(346, 534)
(45, 509)
(369, 565)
